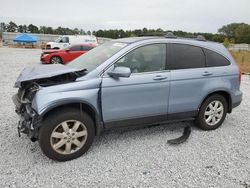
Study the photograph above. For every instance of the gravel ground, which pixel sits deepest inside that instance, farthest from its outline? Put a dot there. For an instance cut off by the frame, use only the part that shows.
(125, 158)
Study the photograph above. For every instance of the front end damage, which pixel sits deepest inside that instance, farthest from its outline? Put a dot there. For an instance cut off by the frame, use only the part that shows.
(29, 119)
(29, 82)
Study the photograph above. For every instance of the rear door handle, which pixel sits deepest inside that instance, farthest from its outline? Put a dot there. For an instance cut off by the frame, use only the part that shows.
(160, 77)
(206, 73)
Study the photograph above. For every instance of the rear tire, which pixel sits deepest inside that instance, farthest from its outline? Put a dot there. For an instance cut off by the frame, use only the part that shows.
(212, 113)
(66, 134)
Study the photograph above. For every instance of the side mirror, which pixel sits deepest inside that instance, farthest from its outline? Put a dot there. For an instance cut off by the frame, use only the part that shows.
(120, 72)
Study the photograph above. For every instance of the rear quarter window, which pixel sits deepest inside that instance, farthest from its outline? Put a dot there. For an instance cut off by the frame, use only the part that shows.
(183, 56)
(213, 59)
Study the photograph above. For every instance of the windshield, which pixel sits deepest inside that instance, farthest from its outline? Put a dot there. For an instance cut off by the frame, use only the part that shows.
(58, 39)
(96, 56)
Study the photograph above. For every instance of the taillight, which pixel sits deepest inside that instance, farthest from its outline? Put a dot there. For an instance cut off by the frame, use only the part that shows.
(239, 72)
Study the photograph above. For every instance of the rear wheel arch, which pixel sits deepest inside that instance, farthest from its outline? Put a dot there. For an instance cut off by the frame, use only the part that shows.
(225, 94)
(81, 106)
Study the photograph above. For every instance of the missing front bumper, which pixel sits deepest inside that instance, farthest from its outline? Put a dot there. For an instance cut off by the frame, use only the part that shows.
(29, 120)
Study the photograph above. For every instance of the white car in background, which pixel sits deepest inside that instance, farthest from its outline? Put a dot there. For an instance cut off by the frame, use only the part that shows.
(67, 40)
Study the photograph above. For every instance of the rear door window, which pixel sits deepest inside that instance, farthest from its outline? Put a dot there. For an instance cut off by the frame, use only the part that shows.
(184, 56)
(86, 48)
(75, 48)
(213, 59)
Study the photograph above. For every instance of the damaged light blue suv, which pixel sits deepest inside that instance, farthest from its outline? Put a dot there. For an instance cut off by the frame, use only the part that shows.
(126, 82)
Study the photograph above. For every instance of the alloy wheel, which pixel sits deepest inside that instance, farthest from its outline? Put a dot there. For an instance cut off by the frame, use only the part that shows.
(214, 112)
(68, 137)
(56, 60)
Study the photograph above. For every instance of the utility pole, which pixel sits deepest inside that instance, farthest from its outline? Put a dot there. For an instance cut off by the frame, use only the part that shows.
(1, 33)
(1, 30)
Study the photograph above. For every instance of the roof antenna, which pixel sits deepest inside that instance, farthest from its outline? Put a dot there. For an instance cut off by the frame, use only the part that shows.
(201, 38)
(170, 35)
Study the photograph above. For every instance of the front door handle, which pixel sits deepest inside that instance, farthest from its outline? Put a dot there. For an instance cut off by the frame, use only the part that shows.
(206, 73)
(160, 77)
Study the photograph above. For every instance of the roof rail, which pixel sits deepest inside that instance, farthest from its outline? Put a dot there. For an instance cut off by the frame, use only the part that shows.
(201, 38)
(170, 35)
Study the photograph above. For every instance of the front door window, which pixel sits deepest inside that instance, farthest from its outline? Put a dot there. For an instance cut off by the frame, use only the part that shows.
(147, 58)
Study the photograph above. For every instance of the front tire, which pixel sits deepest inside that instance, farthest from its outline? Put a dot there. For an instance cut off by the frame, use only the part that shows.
(56, 60)
(66, 134)
(212, 112)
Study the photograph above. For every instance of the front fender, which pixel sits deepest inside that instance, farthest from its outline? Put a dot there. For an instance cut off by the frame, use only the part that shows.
(82, 91)
(59, 103)
(81, 103)
(43, 103)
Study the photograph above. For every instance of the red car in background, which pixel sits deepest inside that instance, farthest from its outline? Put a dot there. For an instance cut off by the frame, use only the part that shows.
(66, 55)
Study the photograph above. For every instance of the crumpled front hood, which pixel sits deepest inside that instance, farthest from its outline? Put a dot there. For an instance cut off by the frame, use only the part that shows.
(42, 71)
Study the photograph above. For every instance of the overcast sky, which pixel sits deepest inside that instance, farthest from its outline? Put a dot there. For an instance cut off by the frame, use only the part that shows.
(187, 15)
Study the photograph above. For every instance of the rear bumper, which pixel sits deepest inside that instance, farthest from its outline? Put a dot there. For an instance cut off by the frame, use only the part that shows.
(236, 99)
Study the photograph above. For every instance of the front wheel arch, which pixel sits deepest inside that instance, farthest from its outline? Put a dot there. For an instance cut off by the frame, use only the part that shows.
(81, 106)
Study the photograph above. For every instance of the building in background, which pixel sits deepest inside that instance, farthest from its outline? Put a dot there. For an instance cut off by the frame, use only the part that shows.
(239, 47)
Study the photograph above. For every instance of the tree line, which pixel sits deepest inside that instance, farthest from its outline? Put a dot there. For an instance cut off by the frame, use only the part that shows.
(231, 33)
(13, 27)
